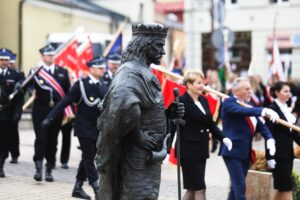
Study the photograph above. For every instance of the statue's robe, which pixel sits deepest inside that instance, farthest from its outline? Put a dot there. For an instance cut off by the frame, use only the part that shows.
(134, 103)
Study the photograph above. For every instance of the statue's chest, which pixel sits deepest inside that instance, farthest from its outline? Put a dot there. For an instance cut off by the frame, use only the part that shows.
(154, 118)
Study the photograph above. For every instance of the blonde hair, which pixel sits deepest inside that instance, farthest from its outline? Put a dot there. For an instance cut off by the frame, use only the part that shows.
(191, 76)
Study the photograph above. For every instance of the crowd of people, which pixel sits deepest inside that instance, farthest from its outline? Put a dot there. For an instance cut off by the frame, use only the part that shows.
(53, 111)
(241, 116)
(241, 124)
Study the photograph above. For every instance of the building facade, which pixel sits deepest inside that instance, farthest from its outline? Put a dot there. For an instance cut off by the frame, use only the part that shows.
(28, 24)
(253, 23)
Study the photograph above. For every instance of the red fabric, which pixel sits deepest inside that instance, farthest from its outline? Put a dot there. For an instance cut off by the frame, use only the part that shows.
(83, 57)
(168, 91)
(68, 56)
(268, 93)
(253, 155)
(212, 103)
(55, 85)
(160, 76)
(172, 157)
(168, 86)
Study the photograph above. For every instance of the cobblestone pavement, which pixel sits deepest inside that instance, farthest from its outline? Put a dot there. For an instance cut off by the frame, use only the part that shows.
(19, 183)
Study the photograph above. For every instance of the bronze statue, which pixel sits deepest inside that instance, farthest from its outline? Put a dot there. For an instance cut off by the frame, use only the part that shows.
(133, 122)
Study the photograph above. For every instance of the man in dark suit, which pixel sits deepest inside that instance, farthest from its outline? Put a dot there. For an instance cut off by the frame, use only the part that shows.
(14, 125)
(51, 84)
(88, 93)
(113, 62)
(239, 124)
(8, 81)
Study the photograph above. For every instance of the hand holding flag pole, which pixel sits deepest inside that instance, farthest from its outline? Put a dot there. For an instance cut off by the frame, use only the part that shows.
(25, 82)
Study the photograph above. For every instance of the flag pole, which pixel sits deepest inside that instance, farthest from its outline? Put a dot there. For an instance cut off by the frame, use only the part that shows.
(119, 31)
(222, 95)
(177, 122)
(28, 102)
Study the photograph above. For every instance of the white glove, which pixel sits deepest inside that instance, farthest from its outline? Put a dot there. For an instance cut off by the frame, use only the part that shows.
(271, 163)
(227, 142)
(271, 114)
(271, 146)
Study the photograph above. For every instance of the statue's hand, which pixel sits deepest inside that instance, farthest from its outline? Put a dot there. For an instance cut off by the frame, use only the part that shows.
(175, 110)
(146, 142)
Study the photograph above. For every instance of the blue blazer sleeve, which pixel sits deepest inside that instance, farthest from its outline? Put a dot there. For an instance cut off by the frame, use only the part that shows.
(231, 107)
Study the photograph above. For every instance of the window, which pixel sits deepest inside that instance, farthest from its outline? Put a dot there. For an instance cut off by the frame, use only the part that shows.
(279, 1)
(230, 2)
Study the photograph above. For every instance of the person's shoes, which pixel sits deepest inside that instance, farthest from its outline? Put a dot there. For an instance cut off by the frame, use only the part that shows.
(48, 176)
(78, 192)
(2, 174)
(52, 166)
(95, 186)
(38, 176)
(14, 160)
(64, 166)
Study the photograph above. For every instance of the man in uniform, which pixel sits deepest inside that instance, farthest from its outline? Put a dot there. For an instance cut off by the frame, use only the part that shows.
(113, 62)
(8, 81)
(51, 84)
(88, 94)
(14, 125)
(132, 125)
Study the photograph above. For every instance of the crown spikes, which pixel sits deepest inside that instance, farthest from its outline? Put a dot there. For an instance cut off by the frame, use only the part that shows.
(150, 29)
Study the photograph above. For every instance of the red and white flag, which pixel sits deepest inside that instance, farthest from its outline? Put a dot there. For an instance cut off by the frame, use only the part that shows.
(67, 57)
(276, 64)
(85, 54)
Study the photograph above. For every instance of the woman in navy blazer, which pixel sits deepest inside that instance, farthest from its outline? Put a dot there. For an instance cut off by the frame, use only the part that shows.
(282, 161)
(194, 136)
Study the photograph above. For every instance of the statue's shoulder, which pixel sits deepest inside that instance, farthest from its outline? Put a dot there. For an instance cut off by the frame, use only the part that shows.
(138, 69)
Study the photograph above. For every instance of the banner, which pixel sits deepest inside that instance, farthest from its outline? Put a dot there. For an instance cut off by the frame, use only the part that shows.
(85, 54)
(67, 57)
(276, 65)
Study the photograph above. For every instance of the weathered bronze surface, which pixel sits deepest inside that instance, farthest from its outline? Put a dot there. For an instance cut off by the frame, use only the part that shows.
(133, 122)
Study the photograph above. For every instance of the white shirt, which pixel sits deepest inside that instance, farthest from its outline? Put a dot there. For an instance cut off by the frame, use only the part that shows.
(3, 71)
(110, 74)
(93, 80)
(50, 68)
(198, 104)
(286, 111)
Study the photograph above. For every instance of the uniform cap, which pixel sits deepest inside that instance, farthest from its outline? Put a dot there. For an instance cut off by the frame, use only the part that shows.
(97, 62)
(114, 58)
(5, 54)
(47, 50)
(13, 57)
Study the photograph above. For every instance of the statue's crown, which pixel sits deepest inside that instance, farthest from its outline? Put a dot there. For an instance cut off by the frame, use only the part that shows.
(154, 29)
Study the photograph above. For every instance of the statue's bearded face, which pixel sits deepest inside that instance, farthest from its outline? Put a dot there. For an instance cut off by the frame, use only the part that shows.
(156, 51)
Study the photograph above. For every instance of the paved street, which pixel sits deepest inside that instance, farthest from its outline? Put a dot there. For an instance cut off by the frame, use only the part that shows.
(19, 183)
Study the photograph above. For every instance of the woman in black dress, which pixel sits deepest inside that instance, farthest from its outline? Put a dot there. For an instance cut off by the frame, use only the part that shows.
(282, 161)
(194, 136)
